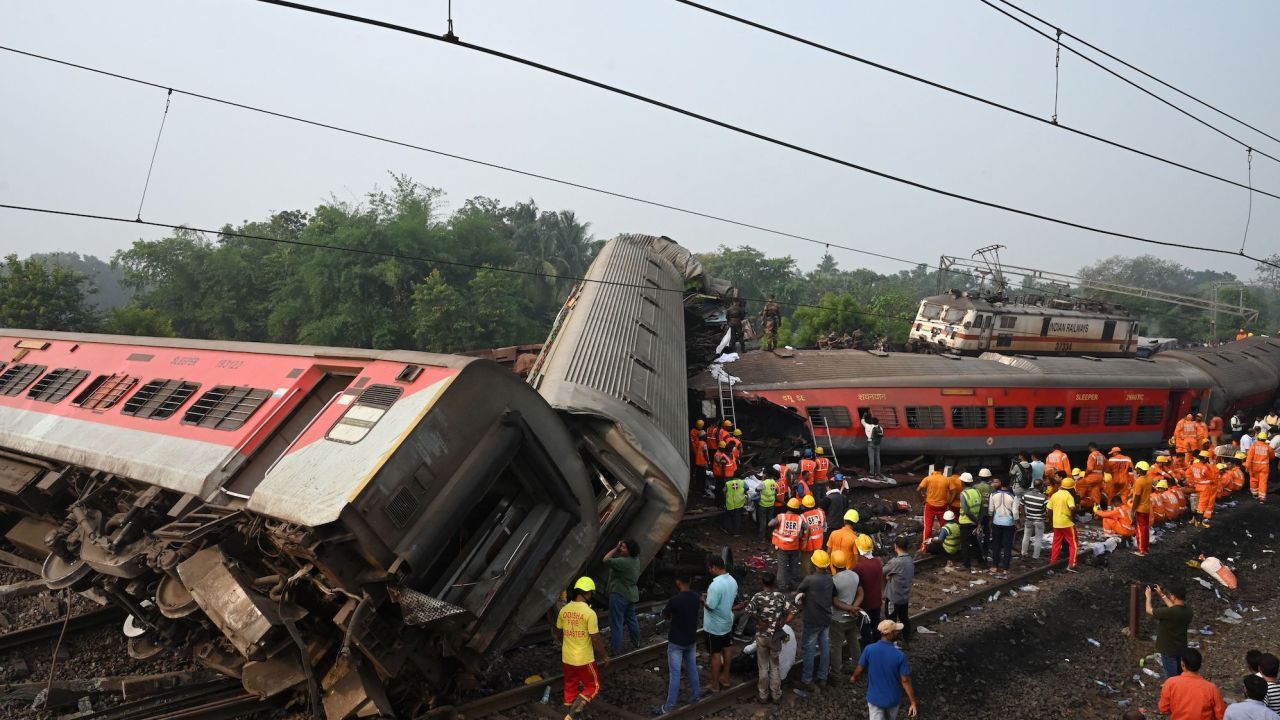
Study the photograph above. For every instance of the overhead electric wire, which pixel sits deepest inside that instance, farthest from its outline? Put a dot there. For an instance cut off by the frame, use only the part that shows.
(1112, 72)
(1139, 70)
(968, 96)
(454, 156)
(750, 133)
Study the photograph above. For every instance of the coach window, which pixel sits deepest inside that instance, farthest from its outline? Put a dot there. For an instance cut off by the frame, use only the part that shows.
(836, 416)
(1109, 331)
(225, 407)
(1004, 340)
(886, 414)
(104, 391)
(1085, 416)
(1150, 414)
(16, 379)
(57, 385)
(1011, 416)
(1044, 327)
(1050, 416)
(967, 417)
(1118, 415)
(925, 417)
(159, 399)
(1008, 321)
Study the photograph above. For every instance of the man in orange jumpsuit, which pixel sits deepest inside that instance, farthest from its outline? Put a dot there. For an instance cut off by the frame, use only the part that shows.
(807, 468)
(1203, 480)
(1117, 520)
(937, 493)
(1121, 468)
(698, 449)
(815, 531)
(1233, 477)
(1184, 436)
(1090, 486)
(1202, 431)
(821, 470)
(1258, 463)
(1215, 430)
(1058, 459)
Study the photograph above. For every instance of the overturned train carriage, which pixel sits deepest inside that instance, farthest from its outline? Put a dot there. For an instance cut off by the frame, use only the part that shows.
(382, 514)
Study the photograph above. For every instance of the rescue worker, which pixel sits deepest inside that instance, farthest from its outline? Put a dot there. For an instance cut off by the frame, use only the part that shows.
(1202, 430)
(1233, 477)
(788, 536)
(1090, 486)
(983, 486)
(784, 488)
(1215, 430)
(1117, 520)
(736, 314)
(807, 467)
(1140, 503)
(1184, 436)
(799, 484)
(1201, 478)
(936, 491)
(697, 436)
(815, 530)
(772, 320)
(971, 511)
(698, 467)
(1258, 463)
(1242, 334)
(821, 470)
(947, 540)
(765, 502)
(578, 632)
(1058, 460)
(1161, 503)
(845, 539)
(724, 468)
(735, 505)
(734, 443)
(1063, 505)
(1121, 468)
(713, 439)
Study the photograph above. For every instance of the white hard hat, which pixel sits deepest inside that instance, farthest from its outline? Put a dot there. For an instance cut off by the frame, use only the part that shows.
(984, 472)
(948, 516)
(777, 468)
(966, 477)
(793, 467)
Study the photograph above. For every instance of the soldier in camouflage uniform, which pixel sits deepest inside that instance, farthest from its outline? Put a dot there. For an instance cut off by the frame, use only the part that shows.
(771, 610)
(772, 319)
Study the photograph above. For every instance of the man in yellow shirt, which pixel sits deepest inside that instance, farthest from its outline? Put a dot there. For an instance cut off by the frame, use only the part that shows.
(1063, 506)
(578, 632)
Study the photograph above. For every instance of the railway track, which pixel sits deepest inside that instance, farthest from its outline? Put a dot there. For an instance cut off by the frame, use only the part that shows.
(50, 630)
(221, 699)
(531, 694)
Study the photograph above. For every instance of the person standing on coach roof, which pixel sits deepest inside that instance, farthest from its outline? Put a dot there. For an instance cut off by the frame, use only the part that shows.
(578, 633)
(888, 675)
(682, 644)
(624, 572)
(717, 621)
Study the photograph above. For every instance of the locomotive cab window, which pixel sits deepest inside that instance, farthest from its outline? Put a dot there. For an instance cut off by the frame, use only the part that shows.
(1050, 416)
(1008, 321)
(1085, 416)
(159, 399)
(16, 379)
(925, 417)
(965, 417)
(836, 416)
(1150, 414)
(364, 413)
(225, 407)
(1011, 416)
(57, 385)
(1118, 415)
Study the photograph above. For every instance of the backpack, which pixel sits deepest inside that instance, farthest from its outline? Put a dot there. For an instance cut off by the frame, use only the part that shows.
(877, 434)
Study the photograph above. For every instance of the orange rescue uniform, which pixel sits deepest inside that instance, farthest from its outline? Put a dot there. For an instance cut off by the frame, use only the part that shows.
(1258, 462)
(1058, 460)
(1117, 521)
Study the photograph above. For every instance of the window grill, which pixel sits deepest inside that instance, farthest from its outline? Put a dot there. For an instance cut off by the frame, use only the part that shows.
(373, 402)
(1050, 416)
(104, 391)
(1118, 415)
(57, 385)
(965, 417)
(1150, 414)
(225, 407)
(16, 379)
(159, 399)
(836, 416)
(1085, 416)
(886, 414)
(1011, 416)
(925, 417)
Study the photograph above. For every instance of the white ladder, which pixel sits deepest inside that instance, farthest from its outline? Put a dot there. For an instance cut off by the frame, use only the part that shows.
(831, 445)
(727, 412)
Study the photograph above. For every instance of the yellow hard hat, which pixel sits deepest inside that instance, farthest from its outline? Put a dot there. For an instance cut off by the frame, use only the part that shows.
(1106, 477)
(809, 501)
(818, 451)
(865, 544)
(728, 424)
(1162, 485)
(1241, 456)
(851, 515)
(794, 503)
(737, 432)
(698, 424)
(722, 445)
(585, 584)
(1172, 443)
(840, 558)
(1222, 466)
(820, 558)
(1262, 436)
(1204, 453)
(1068, 483)
(1076, 472)
(1143, 465)
(1162, 459)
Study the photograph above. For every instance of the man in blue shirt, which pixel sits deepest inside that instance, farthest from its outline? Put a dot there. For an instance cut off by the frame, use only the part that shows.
(717, 621)
(888, 675)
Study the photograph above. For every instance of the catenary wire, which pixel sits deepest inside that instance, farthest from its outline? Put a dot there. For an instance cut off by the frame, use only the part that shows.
(753, 133)
(1109, 71)
(454, 156)
(970, 96)
(1139, 70)
(224, 233)
(168, 98)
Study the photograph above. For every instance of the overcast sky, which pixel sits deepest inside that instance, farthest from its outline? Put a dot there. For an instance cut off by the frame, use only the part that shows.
(76, 141)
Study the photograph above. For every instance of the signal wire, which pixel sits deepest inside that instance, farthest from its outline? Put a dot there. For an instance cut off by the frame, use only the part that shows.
(367, 135)
(1139, 70)
(970, 96)
(1109, 71)
(154, 150)
(753, 133)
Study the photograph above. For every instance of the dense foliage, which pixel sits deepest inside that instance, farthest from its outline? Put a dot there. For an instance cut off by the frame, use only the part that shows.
(415, 277)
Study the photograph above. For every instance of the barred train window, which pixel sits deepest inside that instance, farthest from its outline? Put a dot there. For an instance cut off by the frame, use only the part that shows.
(1118, 415)
(57, 385)
(968, 416)
(373, 402)
(925, 417)
(1050, 416)
(225, 407)
(16, 379)
(159, 399)
(1085, 416)
(836, 416)
(1150, 414)
(104, 391)
(1011, 416)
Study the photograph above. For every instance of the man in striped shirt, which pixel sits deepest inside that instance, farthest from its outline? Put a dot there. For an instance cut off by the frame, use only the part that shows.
(1033, 504)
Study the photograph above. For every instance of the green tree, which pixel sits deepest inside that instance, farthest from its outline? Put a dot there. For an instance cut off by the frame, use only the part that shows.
(36, 295)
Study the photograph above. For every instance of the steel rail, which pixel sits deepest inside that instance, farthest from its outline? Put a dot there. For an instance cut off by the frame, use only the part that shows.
(50, 630)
